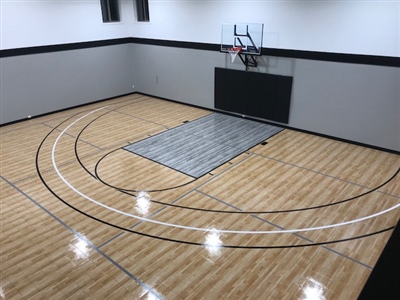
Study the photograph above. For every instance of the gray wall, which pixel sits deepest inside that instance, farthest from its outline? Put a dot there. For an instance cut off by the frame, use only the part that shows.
(178, 74)
(41, 83)
(356, 102)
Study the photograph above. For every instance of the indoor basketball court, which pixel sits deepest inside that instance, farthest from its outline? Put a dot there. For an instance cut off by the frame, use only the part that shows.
(169, 192)
(310, 210)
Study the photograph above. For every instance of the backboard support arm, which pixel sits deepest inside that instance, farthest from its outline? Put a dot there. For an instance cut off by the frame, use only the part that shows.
(248, 60)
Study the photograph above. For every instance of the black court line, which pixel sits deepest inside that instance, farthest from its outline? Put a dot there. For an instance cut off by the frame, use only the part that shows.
(196, 148)
(313, 171)
(151, 215)
(311, 241)
(219, 211)
(82, 238)
(70, 135)
(283, 228)
(174, 240)
(181, 241)
(96, 175)
(249, 212)
(287, 210)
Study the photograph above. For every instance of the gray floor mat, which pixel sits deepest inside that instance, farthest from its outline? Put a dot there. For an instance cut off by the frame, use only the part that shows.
(196, 148)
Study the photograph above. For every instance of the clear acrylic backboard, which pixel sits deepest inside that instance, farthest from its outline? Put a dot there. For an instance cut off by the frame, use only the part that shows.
(248, 36)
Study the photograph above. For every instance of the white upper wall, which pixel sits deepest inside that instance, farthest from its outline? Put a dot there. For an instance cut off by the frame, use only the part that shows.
(28, 23)
(342, 26)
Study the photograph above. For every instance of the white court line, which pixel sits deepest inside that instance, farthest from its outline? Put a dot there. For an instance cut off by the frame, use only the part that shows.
(197, 228)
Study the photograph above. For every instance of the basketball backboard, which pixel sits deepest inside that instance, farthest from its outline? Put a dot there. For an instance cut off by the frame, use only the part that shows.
(247, 36)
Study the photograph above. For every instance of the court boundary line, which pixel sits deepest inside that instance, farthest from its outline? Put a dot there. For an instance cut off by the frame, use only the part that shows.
(181, 241)
(190, 227)
(84, 239)
(281, 227)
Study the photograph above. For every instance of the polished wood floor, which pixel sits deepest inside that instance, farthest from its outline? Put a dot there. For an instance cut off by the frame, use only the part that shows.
(301, 217)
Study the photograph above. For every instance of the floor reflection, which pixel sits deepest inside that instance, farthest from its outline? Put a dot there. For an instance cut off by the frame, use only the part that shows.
(213, 243)
(81, 248)
(312, 290)
(151, 294)
(142, 205)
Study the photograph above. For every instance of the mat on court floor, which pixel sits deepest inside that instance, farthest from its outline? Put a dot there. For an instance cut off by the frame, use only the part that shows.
(197, 147)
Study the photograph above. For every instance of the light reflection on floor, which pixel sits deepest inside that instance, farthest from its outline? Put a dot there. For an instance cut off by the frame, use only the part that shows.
(80, 248)
(142, 205)
(148, 295)
(213, 243)
(312, 290)
(2, 293)
(306, 283)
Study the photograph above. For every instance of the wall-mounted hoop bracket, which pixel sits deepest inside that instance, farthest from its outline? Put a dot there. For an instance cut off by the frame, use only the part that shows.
(245, 37)
(248, 60)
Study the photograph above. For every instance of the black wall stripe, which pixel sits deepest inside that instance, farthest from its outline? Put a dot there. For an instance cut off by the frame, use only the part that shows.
(389, 61)
(62, 47)
(177, 44)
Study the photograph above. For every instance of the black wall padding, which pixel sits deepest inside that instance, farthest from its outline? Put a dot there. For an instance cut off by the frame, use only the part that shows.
(383, 282)
(253, 94)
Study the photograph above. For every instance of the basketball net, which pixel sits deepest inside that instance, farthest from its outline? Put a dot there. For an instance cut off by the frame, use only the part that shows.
(234, 51)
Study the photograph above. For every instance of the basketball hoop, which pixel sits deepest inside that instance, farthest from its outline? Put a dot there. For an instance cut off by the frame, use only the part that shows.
(234, 51)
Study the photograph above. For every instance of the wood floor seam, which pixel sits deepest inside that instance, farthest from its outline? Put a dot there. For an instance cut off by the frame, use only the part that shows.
(174, 234)
(80, 237)
(316, 172)
(296, 234)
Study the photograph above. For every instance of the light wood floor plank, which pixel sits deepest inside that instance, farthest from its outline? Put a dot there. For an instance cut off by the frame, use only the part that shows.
(51, 250)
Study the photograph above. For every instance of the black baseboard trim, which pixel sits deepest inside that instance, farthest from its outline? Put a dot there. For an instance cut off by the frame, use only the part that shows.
(388, 61)
(281, 125)
(177, 101)
(219, 111)
(64, 109)
(346, 140)
(324, 135)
